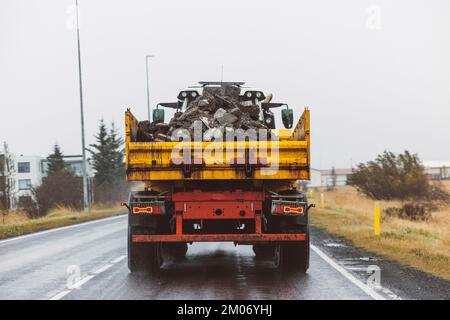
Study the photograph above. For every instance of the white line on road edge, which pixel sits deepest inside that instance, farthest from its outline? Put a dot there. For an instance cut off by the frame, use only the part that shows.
(81, 224)
(102, 269)
(83, 281)
(87, 278)
(368, 290)
(118, 259)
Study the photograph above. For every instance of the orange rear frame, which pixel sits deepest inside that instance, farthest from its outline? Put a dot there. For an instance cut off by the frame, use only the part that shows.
(241, 238)
(233, 205)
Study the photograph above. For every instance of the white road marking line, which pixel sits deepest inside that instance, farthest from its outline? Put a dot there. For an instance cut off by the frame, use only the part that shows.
(104, 268)
(35, 234)
(60, 295)
(368, 290)
(84, 280)
(76, 285)
(356, 268)
(118, 259)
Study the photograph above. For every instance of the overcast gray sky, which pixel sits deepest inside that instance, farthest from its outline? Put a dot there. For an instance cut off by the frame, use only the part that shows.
(375, 74)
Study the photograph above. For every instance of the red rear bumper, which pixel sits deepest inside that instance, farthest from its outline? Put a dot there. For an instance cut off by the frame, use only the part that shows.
(261, 237)
(199, 205)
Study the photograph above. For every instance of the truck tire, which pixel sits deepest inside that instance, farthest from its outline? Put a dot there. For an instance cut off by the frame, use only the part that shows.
(263, 251)
(293, 256)
(143, 257)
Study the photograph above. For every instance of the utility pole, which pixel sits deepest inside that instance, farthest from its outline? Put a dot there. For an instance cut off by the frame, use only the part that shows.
(147, 57)
(83, 146)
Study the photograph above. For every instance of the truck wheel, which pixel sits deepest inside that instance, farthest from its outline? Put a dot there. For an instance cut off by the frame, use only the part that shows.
(177, 250)
(293, 256)
(144, 257)
(263, 250)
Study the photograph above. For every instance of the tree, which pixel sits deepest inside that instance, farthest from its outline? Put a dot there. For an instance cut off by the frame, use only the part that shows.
(56, 161)
(61, 188)
(392, 176)
(101, 156)
(118, 155)
(108, 163)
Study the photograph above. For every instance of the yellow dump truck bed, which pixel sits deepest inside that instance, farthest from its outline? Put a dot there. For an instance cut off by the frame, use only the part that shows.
(285, 159)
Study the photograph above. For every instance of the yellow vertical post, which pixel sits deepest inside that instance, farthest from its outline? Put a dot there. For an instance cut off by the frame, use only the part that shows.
(322, 200)
(376, 219)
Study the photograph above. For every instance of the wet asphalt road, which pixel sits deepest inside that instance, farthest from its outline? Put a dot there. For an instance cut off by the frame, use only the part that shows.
(88, 261)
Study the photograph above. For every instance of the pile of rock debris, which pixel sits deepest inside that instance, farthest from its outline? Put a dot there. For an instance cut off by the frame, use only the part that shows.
(218, 114)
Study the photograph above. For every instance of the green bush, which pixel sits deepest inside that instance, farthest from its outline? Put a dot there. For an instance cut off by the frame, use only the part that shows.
(392, 176)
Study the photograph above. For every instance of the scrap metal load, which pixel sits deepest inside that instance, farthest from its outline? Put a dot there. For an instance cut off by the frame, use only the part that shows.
(219, 110)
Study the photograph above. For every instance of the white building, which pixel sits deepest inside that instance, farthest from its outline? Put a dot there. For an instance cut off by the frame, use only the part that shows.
(316, 178)
(324, 178)
(29, 171)
(340, 174)
(74, 162)
(28, 174)
(314, 182)
(437, 170)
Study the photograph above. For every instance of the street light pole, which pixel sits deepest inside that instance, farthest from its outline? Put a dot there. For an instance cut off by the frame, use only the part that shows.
(83, 146)
(147, 57)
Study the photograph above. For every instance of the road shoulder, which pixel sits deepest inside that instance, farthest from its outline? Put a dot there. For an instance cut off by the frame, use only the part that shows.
(397, 280)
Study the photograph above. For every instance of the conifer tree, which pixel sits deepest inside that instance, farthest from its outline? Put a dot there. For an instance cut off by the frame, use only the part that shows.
(108, 162)
(56, 161)
(101, 156)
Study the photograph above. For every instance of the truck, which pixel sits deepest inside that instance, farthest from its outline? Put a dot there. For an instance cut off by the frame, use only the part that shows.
(247, 195)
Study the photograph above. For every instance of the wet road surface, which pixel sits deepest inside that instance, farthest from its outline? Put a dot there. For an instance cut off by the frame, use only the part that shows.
(88, 261)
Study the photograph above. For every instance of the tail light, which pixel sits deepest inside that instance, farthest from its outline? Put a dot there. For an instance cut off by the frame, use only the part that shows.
(288, 208)
(153, 209)
(295, 210)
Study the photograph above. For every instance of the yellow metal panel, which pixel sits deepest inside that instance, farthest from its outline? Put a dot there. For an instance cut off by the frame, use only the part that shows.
(209, 174)
(147, 161)
(283, 134)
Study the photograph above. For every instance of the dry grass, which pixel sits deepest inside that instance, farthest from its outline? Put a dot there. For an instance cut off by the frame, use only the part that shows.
(420, 244)
(17, 223)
